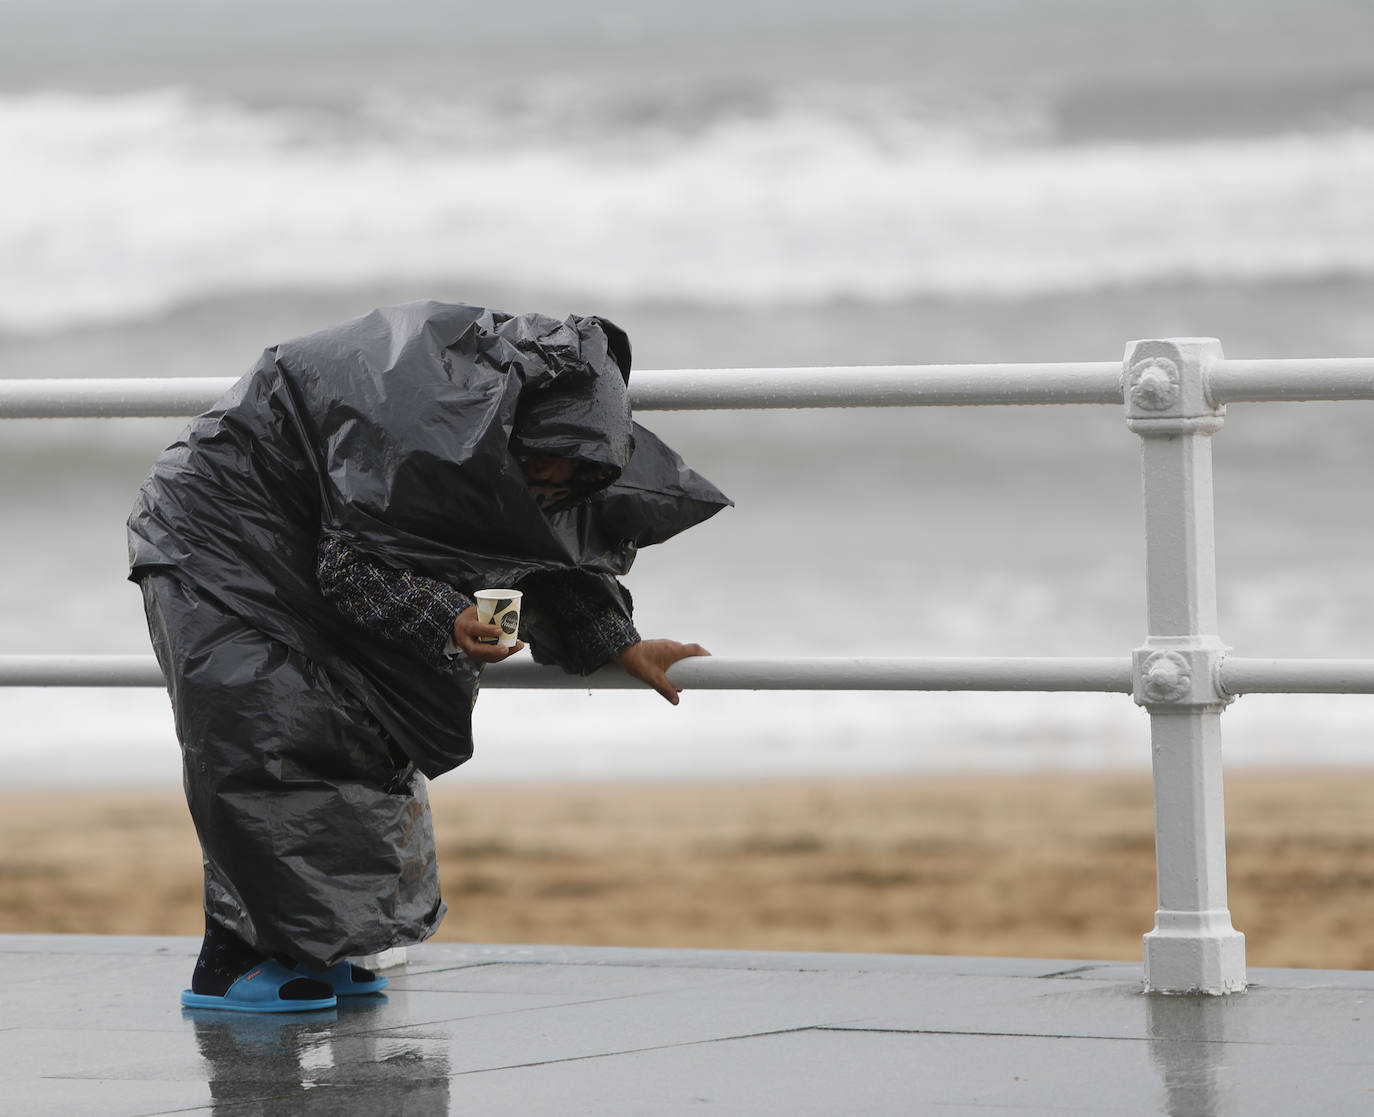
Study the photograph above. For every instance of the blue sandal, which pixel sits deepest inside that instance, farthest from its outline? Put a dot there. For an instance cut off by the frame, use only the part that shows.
(342, 980)
(259, 990)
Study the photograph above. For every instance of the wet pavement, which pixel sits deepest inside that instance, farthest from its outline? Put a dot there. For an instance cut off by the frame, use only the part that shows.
(90, 1025)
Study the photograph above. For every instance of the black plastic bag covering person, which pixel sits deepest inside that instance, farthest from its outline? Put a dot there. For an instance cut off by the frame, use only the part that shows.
(398, 433)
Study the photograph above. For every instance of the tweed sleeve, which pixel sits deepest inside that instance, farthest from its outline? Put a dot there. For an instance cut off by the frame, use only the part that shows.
(399, 606)
(590, 629)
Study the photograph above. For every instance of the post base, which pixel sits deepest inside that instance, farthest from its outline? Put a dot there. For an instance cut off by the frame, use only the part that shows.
(1194, 952)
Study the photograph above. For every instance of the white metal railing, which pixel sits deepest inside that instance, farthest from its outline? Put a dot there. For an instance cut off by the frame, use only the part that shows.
(707, 389)
(1174, 394)
(1100, 674)
(701, 673)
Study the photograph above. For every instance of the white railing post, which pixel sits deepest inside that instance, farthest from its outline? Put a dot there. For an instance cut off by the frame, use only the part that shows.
(1193, 947)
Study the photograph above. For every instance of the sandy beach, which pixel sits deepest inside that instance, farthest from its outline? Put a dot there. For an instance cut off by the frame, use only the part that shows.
(1055, 866)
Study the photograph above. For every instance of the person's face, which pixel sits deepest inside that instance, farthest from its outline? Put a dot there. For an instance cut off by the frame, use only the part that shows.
(548, 479)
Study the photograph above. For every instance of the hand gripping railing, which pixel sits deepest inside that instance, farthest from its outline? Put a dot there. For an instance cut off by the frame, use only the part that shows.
(1174, 393)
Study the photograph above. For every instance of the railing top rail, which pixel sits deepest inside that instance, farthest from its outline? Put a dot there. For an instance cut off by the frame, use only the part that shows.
(701, 389)
(1317, 378)
(692, 389)
(705, 389)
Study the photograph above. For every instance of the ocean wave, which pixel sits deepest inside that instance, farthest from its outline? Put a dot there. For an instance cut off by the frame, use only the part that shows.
(123, 737)
(122, 207)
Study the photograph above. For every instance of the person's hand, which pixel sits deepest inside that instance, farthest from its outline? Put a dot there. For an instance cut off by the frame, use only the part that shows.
(649, 660)
(469, 632)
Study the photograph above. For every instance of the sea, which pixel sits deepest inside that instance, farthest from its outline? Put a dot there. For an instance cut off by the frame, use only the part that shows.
(748, 183)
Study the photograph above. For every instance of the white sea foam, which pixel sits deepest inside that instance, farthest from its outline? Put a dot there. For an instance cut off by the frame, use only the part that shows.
(115, 737)
(117, 207)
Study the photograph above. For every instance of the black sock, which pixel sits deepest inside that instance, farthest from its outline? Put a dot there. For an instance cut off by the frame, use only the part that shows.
(361, 975)
(224, 958)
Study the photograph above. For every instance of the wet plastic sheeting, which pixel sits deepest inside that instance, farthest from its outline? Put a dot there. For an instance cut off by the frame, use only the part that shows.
(401, 434)
(398, 433)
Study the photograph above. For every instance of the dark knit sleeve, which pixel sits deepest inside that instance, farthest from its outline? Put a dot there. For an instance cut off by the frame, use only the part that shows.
(589, 629)
(399, 606)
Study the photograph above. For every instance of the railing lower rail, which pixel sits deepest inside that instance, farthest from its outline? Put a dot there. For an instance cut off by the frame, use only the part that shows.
(703, 673)
(1104, 675)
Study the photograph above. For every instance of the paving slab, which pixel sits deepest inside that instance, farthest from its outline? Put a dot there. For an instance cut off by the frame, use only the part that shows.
(91, 1025)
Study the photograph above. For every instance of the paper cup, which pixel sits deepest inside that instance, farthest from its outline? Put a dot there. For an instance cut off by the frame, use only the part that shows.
(500, 607)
